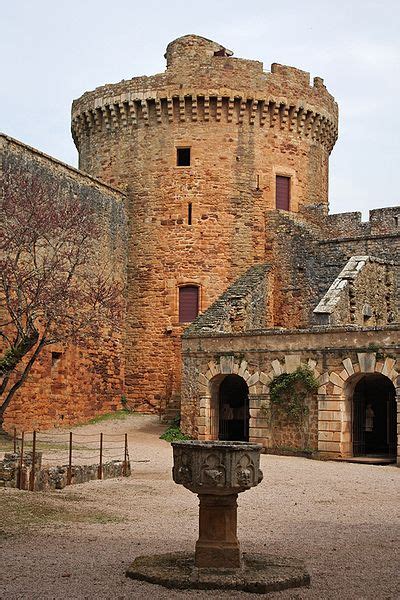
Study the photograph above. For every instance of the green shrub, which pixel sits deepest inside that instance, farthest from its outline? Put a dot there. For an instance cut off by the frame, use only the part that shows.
(173, 434)
(289, 391)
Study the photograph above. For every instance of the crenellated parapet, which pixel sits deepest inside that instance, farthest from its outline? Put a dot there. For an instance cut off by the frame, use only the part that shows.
(202, 83)
(133, 110)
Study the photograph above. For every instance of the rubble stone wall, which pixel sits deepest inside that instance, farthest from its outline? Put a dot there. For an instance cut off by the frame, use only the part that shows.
(54, 478)
(363, 294)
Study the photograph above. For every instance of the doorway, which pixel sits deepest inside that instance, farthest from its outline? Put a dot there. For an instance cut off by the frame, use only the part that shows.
(374, 417)
(234, 409)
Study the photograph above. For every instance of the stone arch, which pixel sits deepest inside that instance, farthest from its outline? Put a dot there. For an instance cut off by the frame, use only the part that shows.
(208, 384)
(227, 365)
(336, 395)
(379, 393)
(258, 384)
(229, 408)
(367, 363)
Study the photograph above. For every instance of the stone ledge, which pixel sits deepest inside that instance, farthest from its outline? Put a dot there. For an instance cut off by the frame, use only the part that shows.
(259, 574)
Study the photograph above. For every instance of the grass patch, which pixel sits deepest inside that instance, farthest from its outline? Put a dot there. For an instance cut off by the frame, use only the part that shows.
(41, 446)
(116, 415)
(23, 510)
(6, 444)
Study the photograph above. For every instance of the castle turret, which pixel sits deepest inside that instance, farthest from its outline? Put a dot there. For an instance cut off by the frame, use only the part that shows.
(204, 150)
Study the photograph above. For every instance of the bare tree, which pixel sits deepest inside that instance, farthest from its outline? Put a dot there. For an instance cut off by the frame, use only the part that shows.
(53, 286)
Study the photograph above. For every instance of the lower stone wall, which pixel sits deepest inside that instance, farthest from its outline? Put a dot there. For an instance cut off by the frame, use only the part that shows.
(54, 478)
(69, 385)
(338, 359)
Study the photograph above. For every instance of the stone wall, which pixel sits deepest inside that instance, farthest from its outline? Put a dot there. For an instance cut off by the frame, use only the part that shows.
(71, 383)
(244, 126)
(54, 478)
(307, 251)
(244, 306)
(364, 294)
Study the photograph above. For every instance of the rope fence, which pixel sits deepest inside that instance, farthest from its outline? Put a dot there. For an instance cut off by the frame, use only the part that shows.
(74, 446)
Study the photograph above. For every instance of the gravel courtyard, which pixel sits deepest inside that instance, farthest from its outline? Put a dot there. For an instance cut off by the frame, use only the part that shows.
(343, 519)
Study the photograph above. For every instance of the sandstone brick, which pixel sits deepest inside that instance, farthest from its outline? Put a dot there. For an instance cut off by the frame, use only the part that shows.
(330, 426)
(331, 405)
(252, 380)
(258, 432)
(264, 378)
(348, 365)
(292, 362)
(367, 361)
(388, 366)
(336, 379)
(329, 446)
(276, 365)
(329, 436)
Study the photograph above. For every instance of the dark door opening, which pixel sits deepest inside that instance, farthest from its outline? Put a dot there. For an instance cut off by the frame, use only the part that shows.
(234, 409)
(374, 417)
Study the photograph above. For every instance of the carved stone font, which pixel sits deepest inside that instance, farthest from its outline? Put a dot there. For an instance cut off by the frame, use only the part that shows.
(217, 472)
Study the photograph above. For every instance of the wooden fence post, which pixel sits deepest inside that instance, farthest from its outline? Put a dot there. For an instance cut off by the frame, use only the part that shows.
(100, 469)
(125, 467)
(21, 460)
(32, 473)
(69, 472)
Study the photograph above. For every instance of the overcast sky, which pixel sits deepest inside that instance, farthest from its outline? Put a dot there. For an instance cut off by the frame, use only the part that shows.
(53, 51)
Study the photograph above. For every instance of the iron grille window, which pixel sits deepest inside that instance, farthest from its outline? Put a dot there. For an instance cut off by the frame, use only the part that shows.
(188, 303)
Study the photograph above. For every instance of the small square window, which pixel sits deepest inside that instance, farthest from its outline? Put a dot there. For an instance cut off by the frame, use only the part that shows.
(55, 358)
(183, 157)
(55, 362)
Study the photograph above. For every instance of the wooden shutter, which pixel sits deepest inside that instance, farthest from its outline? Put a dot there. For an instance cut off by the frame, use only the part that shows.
(188, 303)
(282, 192)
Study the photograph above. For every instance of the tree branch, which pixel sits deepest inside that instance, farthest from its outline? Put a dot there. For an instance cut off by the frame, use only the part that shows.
(22, 379)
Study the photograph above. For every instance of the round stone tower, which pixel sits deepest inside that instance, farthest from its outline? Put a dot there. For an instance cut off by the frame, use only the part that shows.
(204, 151)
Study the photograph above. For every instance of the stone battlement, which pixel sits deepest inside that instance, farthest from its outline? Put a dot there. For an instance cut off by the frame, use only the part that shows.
(217, 87)
(382, 221)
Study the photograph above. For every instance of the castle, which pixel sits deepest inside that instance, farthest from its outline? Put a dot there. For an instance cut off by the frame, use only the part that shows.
(235, 272)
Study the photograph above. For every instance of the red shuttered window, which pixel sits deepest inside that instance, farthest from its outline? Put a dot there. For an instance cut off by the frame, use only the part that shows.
(188, 303)
(282, 192)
